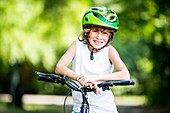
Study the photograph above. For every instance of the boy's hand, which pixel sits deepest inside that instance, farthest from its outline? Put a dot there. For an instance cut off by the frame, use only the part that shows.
(89, 81)
(86, 79)
(93, 86)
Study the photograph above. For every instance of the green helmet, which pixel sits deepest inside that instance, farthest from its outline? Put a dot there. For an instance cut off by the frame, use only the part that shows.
(100, 16)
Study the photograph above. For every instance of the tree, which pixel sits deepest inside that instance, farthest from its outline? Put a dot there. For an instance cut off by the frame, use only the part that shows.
(35, 34)
(143, 40)
(31, 35)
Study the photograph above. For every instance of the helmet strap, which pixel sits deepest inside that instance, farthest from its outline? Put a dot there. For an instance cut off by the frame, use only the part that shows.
(91, 54)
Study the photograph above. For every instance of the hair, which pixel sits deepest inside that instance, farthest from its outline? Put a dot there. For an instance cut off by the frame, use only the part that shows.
(83, 37)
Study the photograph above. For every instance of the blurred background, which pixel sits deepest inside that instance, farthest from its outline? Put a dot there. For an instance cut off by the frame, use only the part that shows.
(35, 33)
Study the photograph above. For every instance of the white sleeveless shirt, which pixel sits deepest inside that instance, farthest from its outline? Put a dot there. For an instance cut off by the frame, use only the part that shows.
(81, 64)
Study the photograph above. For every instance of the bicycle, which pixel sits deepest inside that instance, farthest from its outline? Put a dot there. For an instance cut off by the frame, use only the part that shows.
(64, 80)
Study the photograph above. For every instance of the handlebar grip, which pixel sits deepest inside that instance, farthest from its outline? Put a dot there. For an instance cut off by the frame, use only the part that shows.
(121, 82)
(39, 73)
(116, 83)
(45, 78)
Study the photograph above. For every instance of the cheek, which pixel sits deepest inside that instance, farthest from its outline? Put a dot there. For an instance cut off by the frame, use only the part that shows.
(106, 38)
(90, 39)
(91, 36)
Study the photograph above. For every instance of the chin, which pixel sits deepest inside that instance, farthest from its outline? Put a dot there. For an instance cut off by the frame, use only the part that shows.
(98, 47)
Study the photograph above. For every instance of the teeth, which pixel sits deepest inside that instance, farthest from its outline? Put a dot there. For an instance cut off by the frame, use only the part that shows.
(98, 43)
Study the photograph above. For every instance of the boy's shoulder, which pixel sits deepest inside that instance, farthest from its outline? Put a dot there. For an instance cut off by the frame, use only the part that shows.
(112, 48)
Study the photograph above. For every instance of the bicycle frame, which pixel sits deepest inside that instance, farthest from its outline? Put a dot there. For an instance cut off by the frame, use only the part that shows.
(64, 80)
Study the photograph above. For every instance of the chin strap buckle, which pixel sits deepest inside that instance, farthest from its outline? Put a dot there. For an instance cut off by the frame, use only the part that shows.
(91, 54)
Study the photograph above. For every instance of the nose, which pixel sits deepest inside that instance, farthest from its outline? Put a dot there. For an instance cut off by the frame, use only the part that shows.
(99, 35)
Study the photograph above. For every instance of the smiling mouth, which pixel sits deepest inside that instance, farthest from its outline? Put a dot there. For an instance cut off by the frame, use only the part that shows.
(97, 42)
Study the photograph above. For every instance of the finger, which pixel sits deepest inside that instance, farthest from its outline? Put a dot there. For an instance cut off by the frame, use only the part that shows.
(82, 82)
(91, 86)
(94, 85)
(98, 91)
(79, 78)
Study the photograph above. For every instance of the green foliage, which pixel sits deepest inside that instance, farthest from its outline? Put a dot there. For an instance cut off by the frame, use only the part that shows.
(143, 41)
(36, 33)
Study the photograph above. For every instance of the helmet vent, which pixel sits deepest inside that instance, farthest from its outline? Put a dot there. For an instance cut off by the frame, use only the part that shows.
(95, 14)
(86, 19)
(94, 9)
(112, 12)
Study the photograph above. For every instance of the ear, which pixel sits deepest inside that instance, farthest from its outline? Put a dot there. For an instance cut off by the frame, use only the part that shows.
(111, 35)
(86, 35)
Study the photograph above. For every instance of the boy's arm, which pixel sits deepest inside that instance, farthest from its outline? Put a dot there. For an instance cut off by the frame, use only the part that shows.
(65, 60)
(121, 72)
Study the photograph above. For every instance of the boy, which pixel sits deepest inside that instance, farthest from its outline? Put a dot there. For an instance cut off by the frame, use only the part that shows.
(93, 60)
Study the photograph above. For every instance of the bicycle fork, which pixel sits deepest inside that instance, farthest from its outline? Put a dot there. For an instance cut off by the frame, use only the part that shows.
(84, 105)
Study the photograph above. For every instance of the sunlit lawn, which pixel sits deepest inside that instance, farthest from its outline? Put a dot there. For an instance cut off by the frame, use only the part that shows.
(59, 109)
(4, 108)
(35, 108)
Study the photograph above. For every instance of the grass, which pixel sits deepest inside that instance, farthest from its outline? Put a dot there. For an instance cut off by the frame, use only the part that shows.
(5, 108)
(35, 108)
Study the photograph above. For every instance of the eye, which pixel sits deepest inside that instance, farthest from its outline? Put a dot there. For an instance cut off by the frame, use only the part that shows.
(106, 33)
(94, 30)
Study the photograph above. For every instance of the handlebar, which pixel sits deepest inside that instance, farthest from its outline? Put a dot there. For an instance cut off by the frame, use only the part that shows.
(64, 80)
(61, 79)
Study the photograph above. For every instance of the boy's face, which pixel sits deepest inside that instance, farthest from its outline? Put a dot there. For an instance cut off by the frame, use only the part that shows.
(98, 37)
